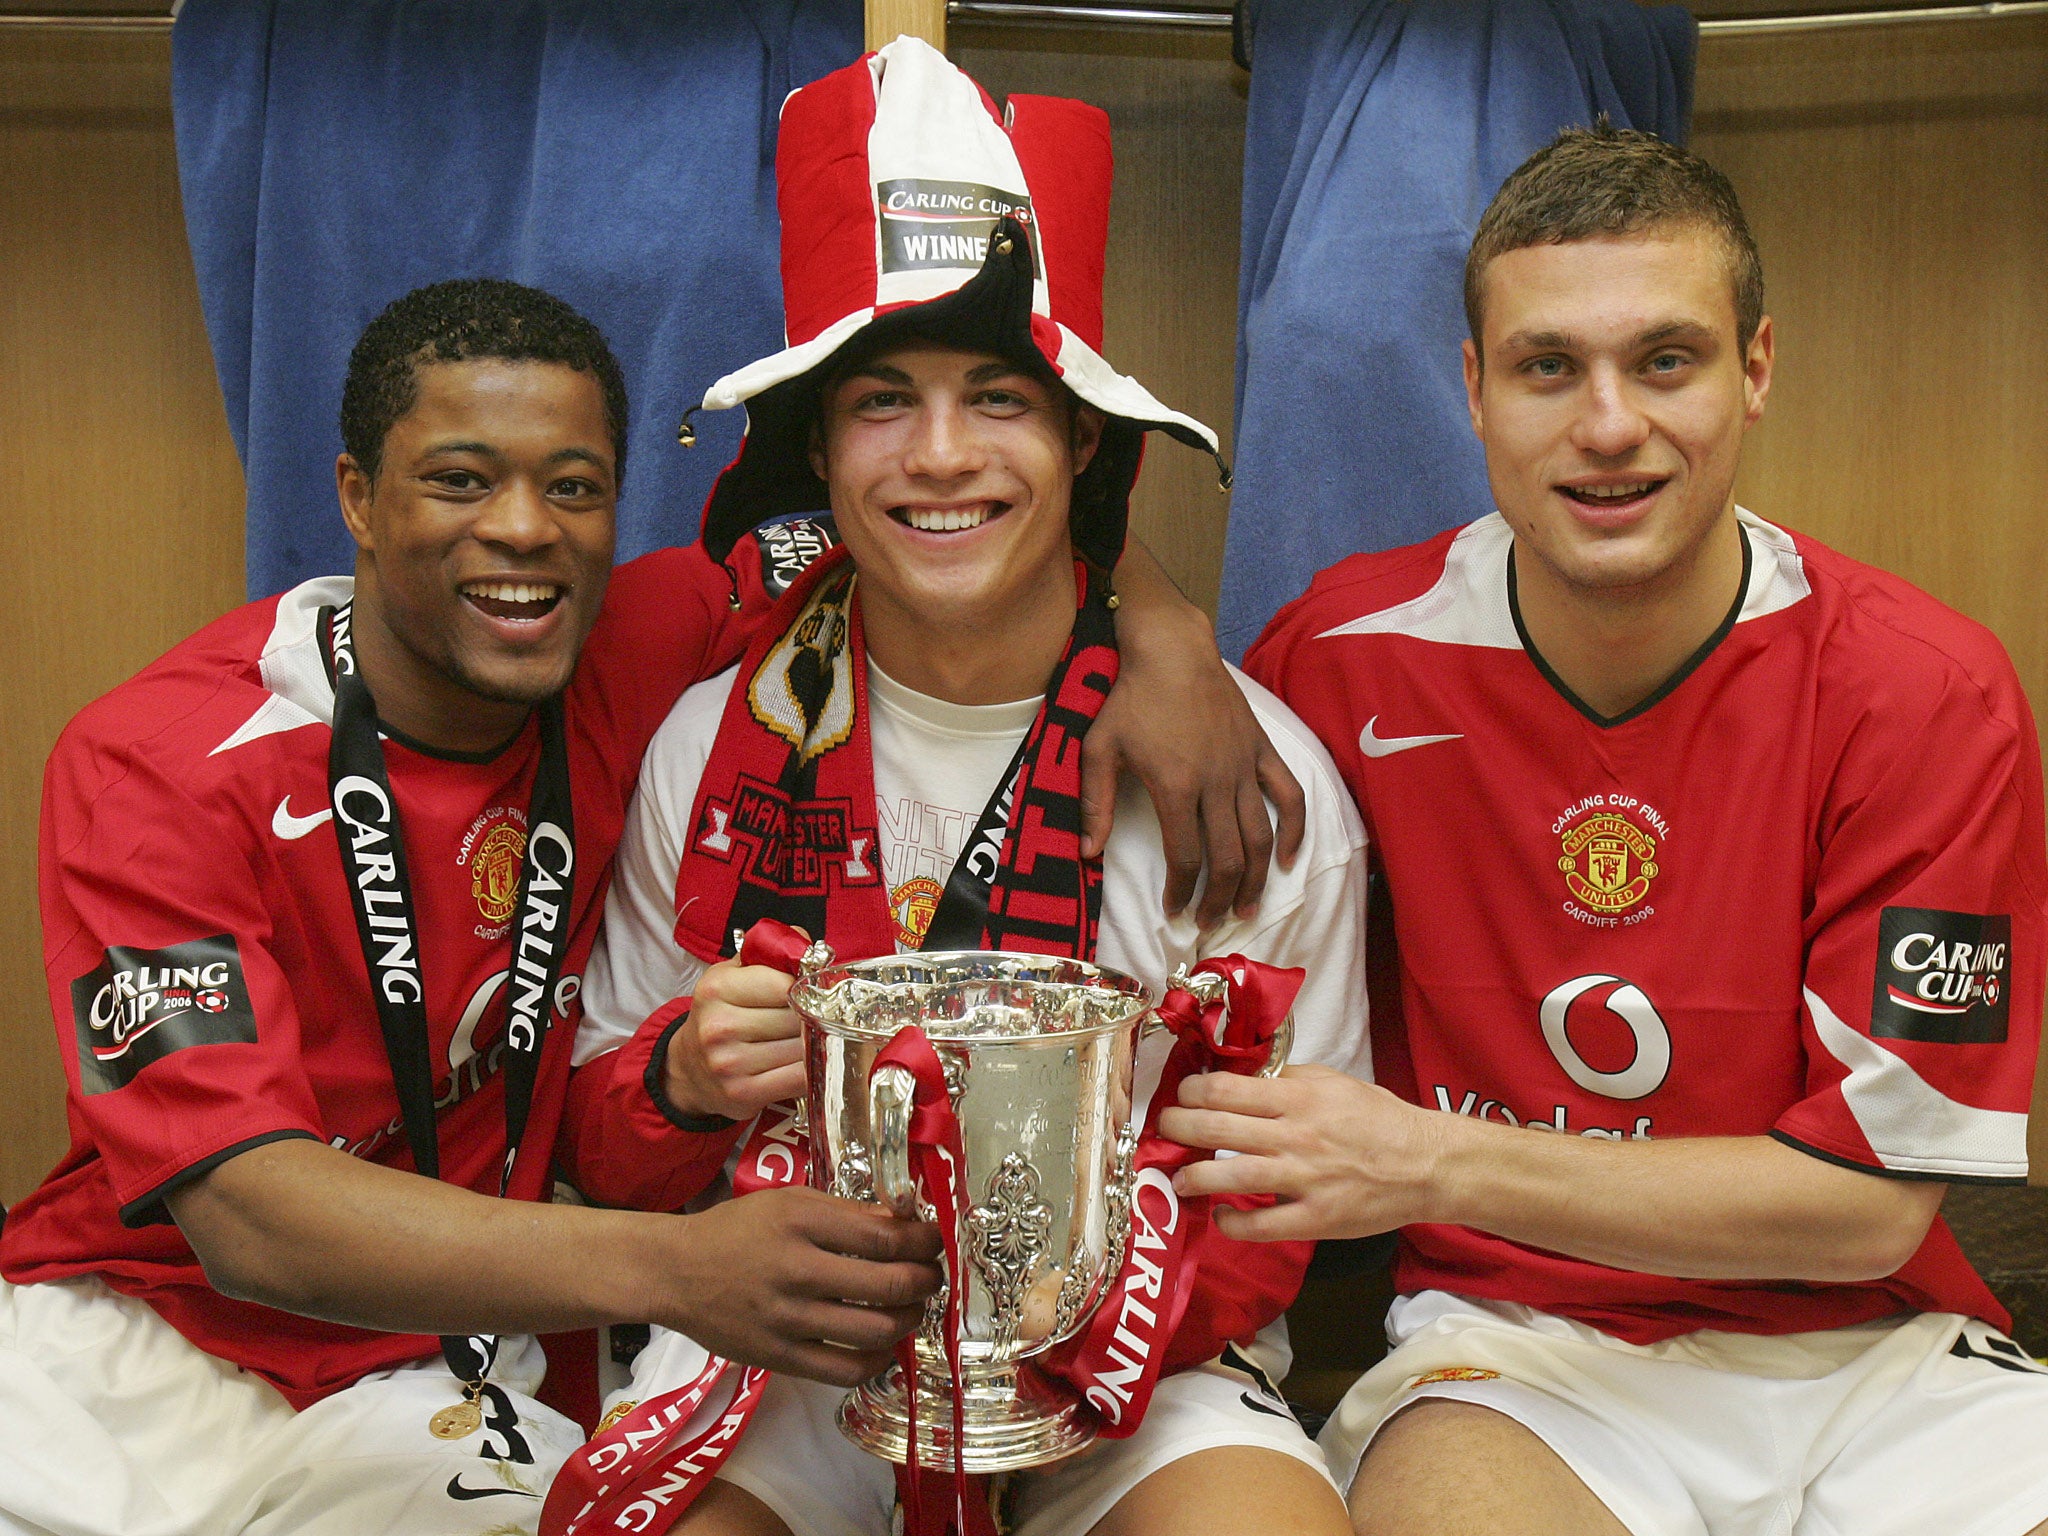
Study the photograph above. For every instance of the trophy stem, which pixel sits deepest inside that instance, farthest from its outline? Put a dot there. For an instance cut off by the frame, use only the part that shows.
(1012, 1420)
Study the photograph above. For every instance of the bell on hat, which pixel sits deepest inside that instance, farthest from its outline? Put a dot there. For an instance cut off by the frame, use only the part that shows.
(911, 207)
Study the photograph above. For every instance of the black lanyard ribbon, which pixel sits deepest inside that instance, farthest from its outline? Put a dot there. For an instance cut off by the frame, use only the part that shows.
(373, 856)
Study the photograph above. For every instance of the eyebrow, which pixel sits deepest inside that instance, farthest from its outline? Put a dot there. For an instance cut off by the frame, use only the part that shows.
(983, 373)
(1566, 341)
(490, 451)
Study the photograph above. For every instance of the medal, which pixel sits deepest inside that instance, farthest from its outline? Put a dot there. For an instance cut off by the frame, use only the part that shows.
(463, 1418)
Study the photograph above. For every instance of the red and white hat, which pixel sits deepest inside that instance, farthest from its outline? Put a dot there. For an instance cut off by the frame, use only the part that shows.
(911, 207)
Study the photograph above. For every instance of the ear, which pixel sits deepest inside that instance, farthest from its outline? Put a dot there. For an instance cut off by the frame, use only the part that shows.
(1086, 435)
(816, 453)
(355, 490)
(1473, 376)
(1756, 370)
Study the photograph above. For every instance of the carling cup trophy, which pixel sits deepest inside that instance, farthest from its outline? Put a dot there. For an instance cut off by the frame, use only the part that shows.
(1038, 1053)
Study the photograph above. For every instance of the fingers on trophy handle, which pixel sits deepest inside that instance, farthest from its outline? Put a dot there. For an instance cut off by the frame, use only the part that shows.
(890, 1093)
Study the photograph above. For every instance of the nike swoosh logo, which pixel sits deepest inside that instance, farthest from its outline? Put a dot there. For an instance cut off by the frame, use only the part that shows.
(1258, 1407)
(1387, 746)
(457, 1490)
(290, 827)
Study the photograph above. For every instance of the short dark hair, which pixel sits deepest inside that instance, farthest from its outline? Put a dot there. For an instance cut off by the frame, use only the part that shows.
(1605, 180)
(460, 320)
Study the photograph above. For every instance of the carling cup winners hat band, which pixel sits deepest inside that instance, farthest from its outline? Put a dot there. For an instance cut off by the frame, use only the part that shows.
(912, 208)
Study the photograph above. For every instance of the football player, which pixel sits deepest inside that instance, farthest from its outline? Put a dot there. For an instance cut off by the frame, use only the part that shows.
(1715, 863)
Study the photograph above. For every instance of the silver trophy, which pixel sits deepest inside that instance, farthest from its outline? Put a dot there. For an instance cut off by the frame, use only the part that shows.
(1038, 1054)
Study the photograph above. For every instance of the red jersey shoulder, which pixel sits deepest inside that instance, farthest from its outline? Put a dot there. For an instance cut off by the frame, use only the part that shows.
(1360, 584)
(177, 712)
(667, 617)
(1896, 650)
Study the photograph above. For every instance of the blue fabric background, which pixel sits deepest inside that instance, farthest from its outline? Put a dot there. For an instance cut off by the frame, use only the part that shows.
(1378, 132)
(619, 153)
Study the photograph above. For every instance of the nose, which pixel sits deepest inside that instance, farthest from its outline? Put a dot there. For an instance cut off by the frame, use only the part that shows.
(517, 517)
(944, 442)
(1610, 424)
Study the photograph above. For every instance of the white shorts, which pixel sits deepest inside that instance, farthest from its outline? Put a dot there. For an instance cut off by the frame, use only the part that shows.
(794, 1459)
(113, 1424)
(1907, 1427)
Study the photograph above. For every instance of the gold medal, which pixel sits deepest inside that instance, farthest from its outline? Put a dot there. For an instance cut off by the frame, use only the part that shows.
(464, 1418)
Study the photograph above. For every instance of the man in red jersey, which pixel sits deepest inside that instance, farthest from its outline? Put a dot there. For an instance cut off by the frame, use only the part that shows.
(1715, 860)
(319, 887)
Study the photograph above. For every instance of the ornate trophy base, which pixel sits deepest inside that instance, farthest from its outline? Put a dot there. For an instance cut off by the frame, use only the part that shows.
(1008, 1424)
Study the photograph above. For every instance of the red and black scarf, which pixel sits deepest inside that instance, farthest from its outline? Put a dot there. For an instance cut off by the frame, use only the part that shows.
(784, 822)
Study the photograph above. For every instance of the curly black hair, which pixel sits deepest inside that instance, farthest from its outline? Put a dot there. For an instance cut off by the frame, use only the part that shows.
(452, 322)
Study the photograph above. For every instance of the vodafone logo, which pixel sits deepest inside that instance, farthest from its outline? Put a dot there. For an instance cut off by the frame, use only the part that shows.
(1651, 1061)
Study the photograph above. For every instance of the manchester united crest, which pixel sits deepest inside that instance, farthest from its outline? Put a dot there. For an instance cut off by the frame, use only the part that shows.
(1608, 861)
(913, 903)
(494, 851)
(494, 872)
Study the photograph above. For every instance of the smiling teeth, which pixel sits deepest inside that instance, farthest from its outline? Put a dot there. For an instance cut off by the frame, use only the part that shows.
(512, 591)
(947, 520)
(1614, 492)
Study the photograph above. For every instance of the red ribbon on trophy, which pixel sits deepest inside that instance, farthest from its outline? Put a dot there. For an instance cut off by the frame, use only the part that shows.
(630, 1477)
(938, 1169)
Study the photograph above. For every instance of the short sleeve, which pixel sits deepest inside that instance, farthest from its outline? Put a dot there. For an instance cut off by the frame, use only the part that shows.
(1323, 928)
(637, 966)
(1924, 959)
(177, 1027)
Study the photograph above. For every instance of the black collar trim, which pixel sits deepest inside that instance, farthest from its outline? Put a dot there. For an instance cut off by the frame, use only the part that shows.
(449, 754)
(1686, 669)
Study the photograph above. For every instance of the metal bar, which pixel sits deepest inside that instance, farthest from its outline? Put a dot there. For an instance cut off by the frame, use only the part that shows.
(1756, 26)
(83, 21)
(1040, 12)
(1044, 11)
(1083, 15)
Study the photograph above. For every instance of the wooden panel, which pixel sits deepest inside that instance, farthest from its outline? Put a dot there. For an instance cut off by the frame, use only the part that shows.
(1176, 105)
(889, 19)
(1897, 181)
(123, 530)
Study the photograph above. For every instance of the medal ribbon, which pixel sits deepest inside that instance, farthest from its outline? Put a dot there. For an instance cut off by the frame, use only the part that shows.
(372, 847)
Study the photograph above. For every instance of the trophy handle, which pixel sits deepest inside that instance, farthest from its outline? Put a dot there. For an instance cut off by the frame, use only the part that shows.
(890, 1093)
(1207, 987)
(1283, 1042)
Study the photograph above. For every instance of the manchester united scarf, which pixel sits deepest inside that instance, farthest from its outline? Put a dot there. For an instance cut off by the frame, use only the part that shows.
(784, 822)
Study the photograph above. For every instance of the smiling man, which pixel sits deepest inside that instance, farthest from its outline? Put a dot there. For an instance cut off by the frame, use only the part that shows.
(926, 688)
(1716, 868)
(319, 887)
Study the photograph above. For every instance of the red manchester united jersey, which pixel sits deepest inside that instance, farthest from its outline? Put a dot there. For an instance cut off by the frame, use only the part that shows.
(1798, 893)
(204, 964)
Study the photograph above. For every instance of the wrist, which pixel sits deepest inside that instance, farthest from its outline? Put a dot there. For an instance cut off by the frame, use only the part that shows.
(1165, 627)
(669, 1087)
(1451, 1154)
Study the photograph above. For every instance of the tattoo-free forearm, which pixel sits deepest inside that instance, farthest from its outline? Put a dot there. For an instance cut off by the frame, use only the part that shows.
(1709, 1208)
(305, 1228)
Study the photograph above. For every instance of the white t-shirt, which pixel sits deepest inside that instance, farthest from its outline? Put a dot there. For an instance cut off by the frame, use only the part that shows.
(936, 765)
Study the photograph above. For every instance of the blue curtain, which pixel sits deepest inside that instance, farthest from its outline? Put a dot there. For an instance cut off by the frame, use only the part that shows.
(1378, 132)
(335, 154)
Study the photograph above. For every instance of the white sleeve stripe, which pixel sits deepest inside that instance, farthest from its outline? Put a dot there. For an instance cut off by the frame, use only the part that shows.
(1910, 1124)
